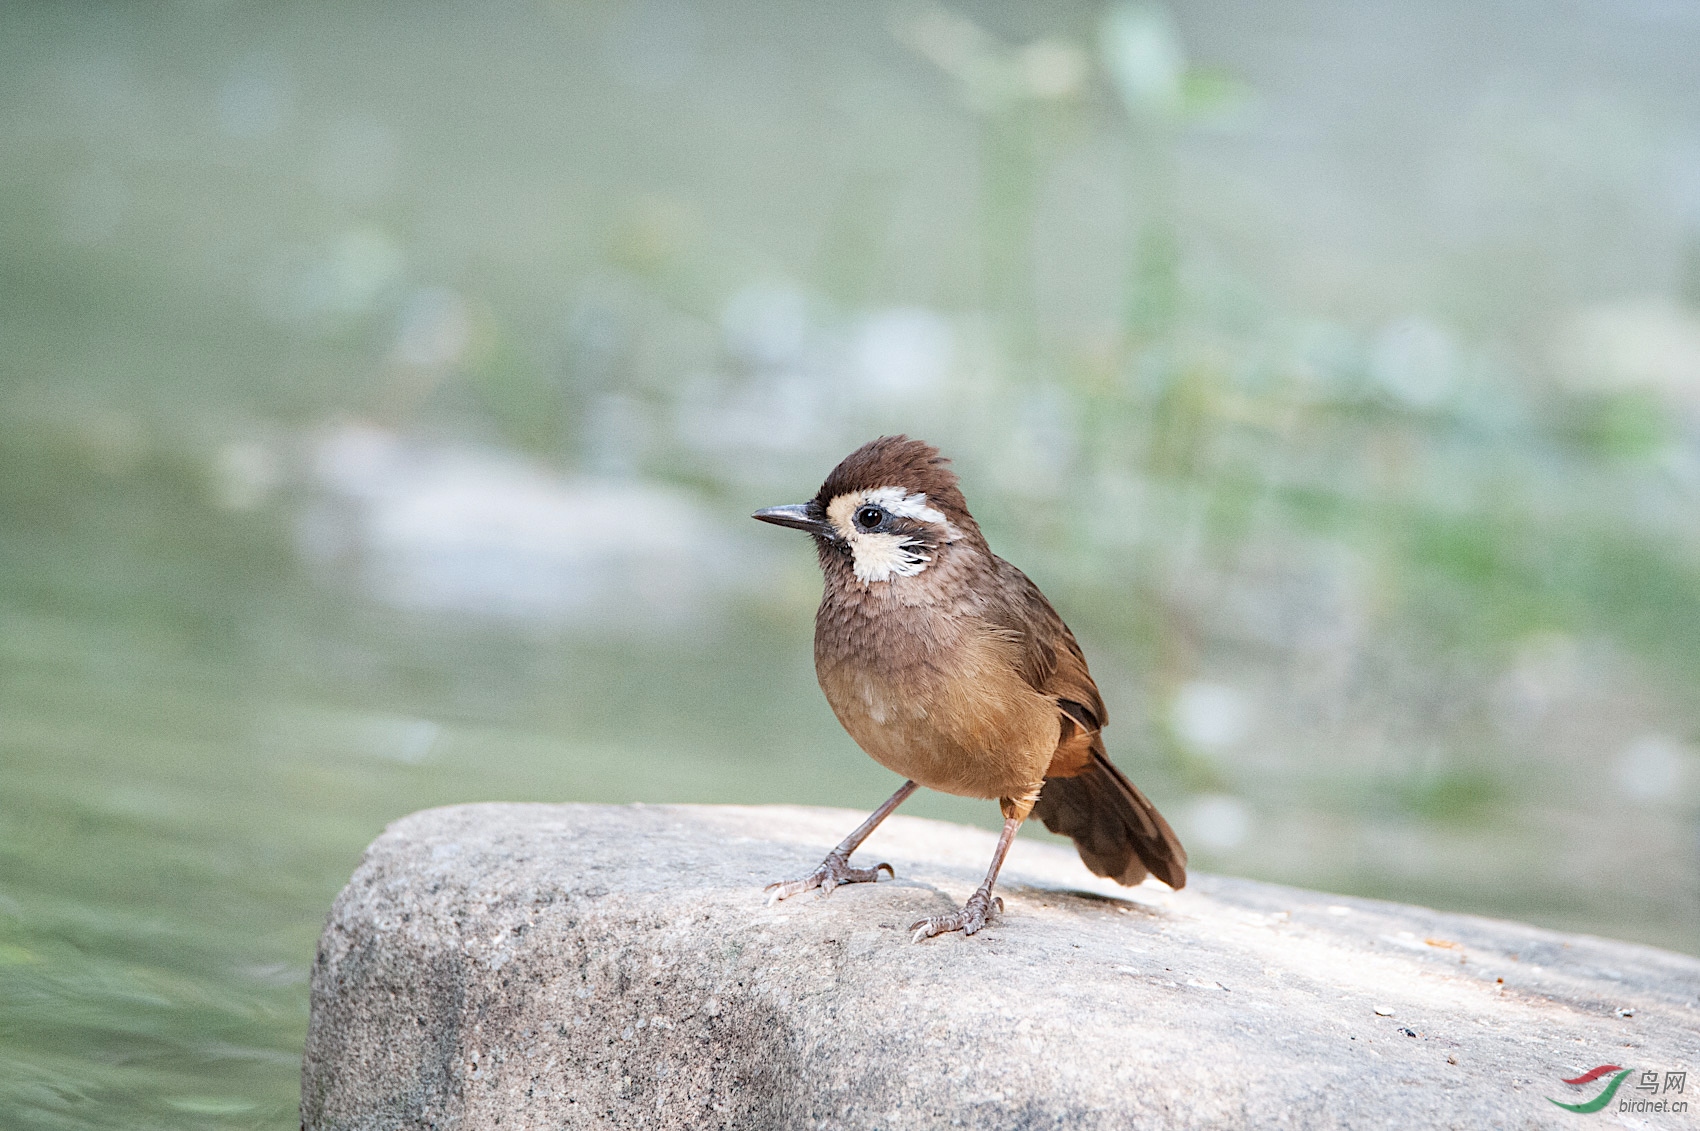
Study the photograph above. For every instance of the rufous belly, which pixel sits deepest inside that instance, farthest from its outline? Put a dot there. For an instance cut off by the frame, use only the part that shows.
(975, 729)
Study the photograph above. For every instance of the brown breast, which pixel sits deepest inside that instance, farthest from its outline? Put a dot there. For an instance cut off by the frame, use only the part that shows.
(934, 691)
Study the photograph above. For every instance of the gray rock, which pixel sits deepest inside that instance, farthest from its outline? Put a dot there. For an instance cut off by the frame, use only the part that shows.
(567, 966)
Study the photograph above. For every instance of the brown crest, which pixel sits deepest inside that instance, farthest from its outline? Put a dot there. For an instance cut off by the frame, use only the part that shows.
(898, 461)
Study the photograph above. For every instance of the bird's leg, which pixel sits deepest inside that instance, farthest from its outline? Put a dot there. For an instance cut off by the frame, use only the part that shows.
(835, 869)
(978, 910)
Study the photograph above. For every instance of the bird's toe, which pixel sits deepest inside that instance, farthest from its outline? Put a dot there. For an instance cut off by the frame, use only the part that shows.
(976, 913)
(833, 871)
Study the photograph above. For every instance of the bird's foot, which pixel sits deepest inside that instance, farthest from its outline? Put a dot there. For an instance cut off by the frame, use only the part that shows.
(976, 913)
(834, 870)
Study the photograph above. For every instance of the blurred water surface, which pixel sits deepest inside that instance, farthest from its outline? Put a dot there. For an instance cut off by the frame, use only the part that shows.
(383, 394)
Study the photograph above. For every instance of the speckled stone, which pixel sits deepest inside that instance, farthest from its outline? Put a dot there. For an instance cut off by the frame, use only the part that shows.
(583, 966)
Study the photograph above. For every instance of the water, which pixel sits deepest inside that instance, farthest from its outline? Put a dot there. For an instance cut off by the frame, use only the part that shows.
(197, 741)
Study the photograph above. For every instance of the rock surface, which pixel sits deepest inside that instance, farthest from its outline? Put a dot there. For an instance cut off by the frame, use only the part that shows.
(568, 966)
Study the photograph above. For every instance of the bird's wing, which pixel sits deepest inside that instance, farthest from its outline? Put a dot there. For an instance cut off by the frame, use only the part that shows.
(1051, 660)
(1116, 829)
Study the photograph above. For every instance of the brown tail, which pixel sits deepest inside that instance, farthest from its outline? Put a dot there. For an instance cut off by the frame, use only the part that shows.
(1116, 829)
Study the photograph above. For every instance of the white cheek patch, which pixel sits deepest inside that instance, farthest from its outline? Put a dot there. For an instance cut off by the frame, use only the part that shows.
(881, 557)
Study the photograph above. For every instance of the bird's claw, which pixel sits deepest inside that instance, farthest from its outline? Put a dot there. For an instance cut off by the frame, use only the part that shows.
(834, 870)
(976, 913)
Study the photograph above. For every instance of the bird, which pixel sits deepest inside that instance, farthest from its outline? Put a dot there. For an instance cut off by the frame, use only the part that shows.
(948, 666)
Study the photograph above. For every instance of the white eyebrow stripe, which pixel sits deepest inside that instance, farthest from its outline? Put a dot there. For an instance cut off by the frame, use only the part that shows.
(894, 500)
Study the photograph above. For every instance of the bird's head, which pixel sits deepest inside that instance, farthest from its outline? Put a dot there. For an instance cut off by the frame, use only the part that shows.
(886, 512)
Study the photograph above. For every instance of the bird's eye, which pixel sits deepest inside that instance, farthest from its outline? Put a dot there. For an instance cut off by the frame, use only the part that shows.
(867, 518)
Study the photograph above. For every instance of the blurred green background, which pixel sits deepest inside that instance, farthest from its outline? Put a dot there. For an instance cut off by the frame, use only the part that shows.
(384, 390)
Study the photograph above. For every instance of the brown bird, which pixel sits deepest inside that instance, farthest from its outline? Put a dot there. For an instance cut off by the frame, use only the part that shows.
(948, 666)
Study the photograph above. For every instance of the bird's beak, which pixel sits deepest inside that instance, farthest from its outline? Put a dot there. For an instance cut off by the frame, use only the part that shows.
(798, 516)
